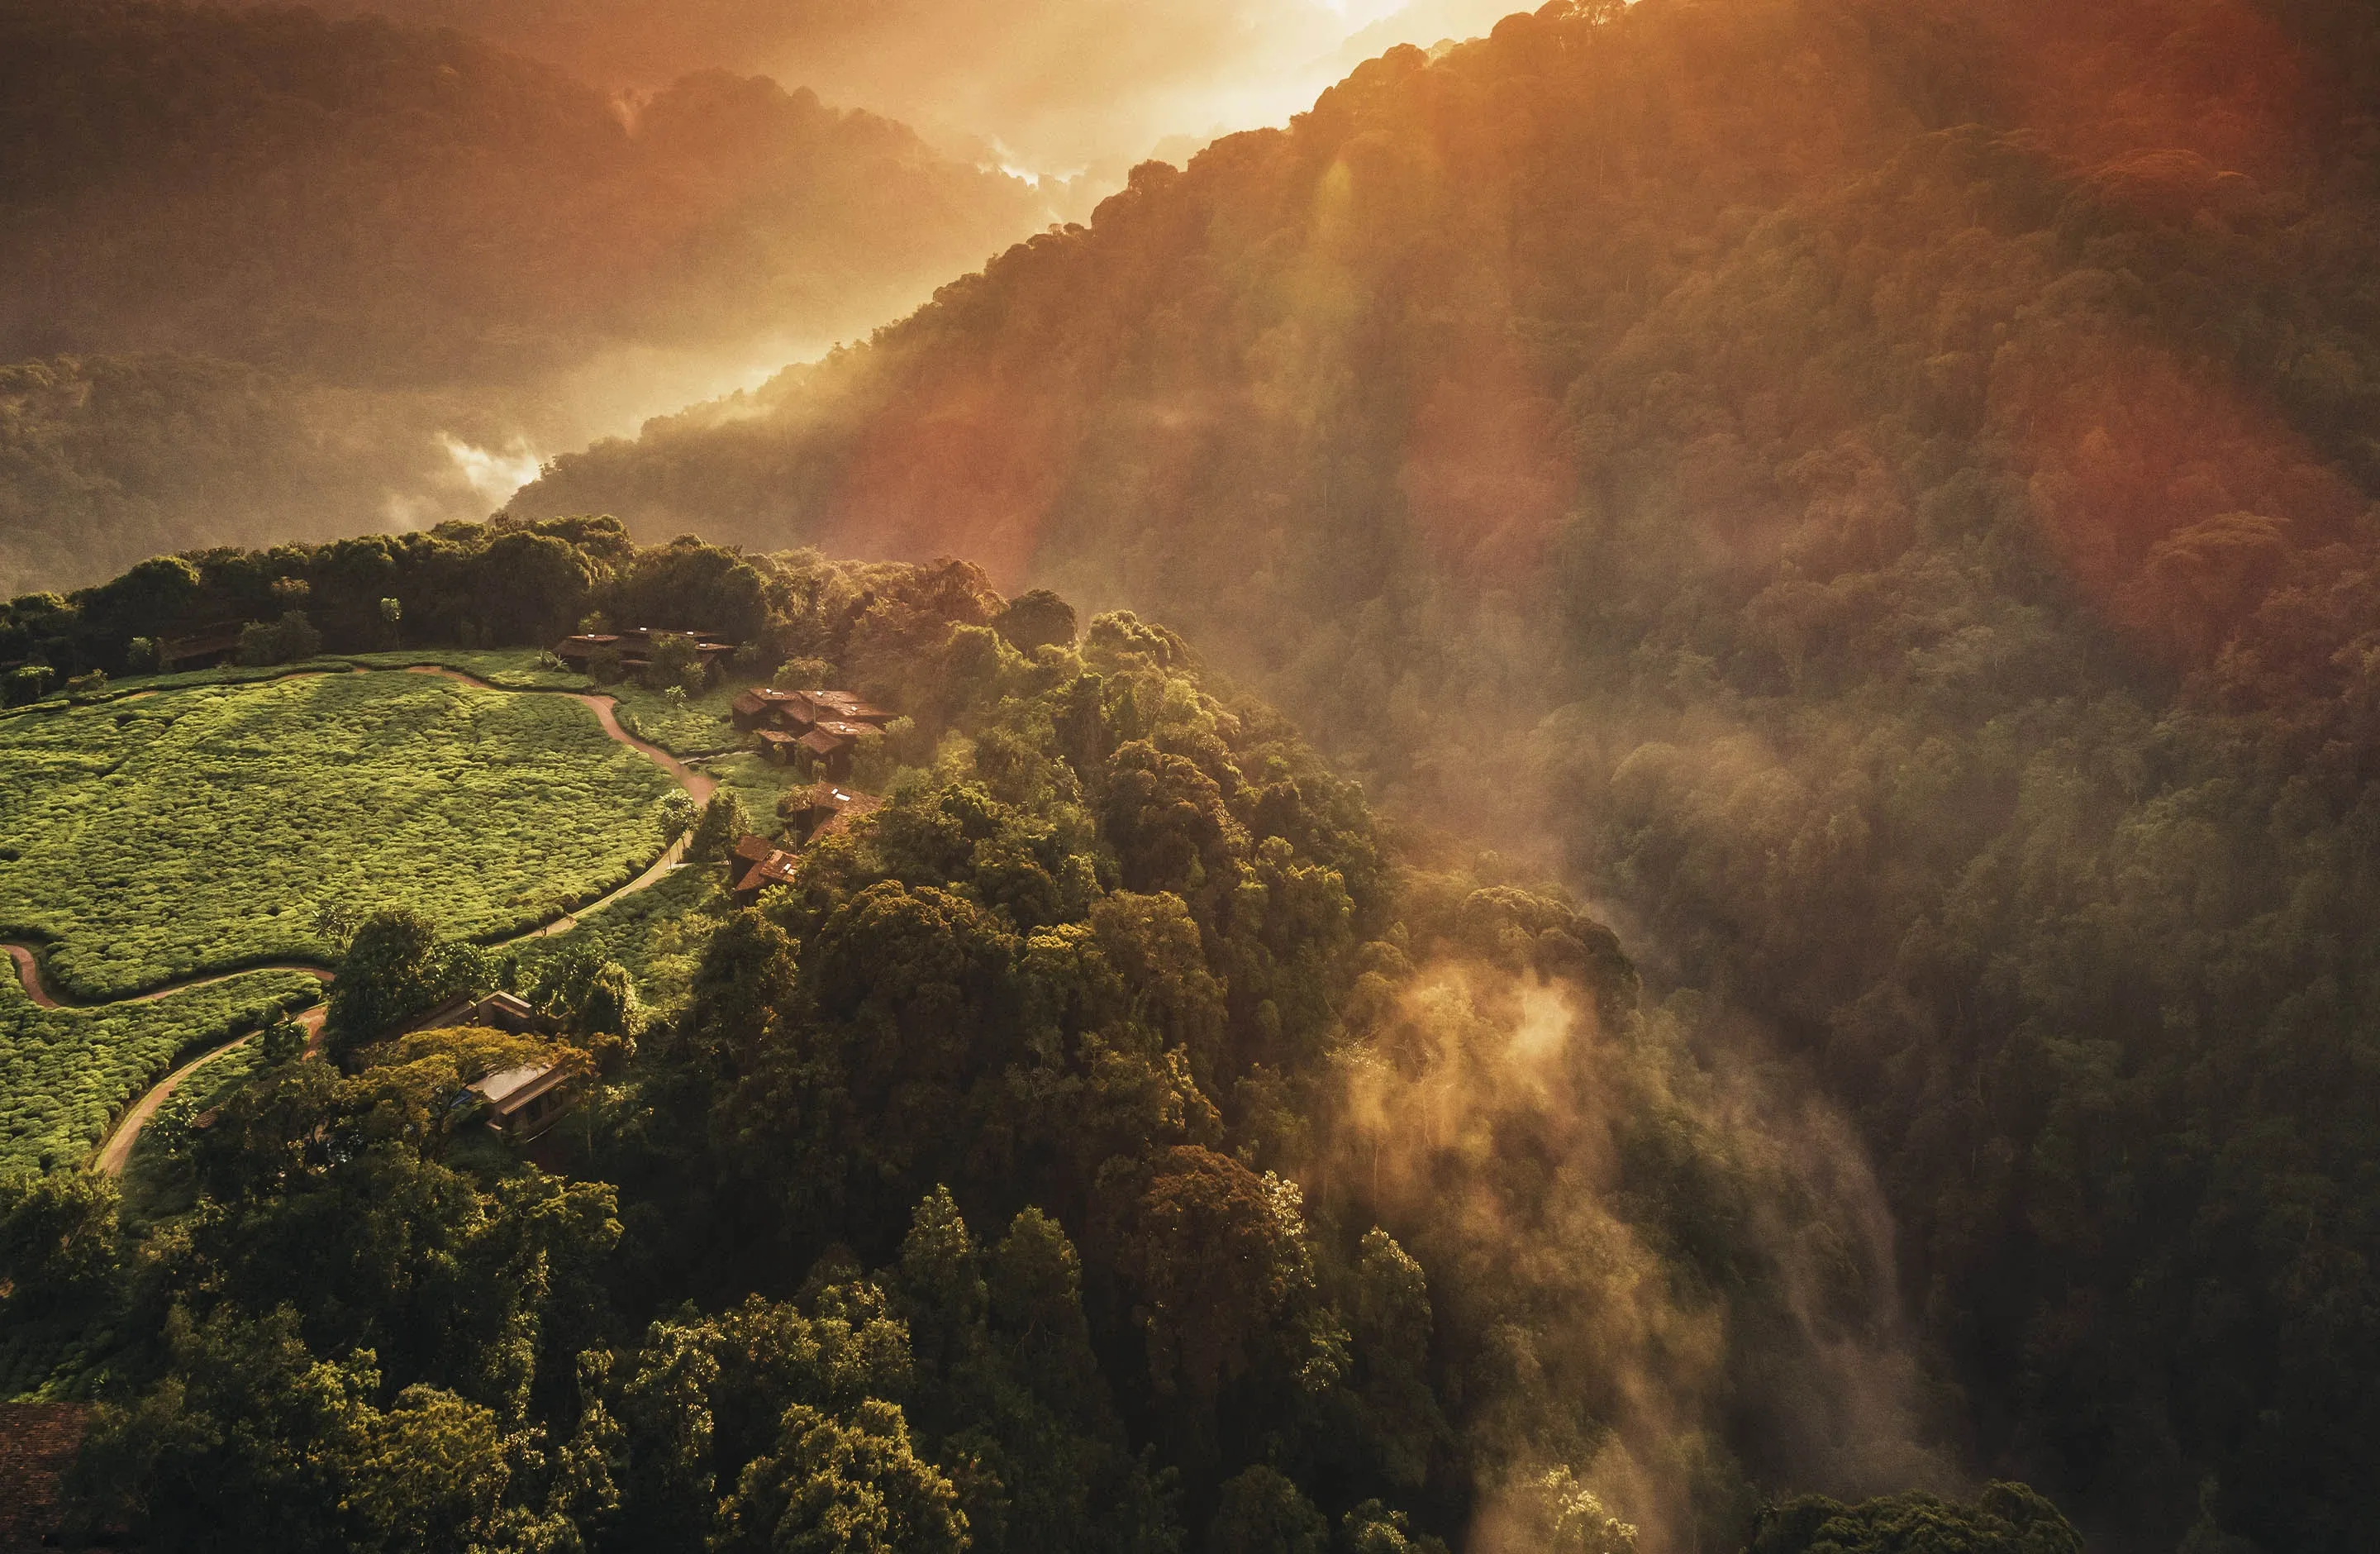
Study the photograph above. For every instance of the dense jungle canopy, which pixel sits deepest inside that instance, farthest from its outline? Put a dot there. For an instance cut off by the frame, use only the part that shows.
(1121, 1139)
(1889, 487)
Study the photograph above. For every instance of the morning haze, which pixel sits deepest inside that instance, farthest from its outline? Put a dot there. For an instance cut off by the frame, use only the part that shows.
(958, 775)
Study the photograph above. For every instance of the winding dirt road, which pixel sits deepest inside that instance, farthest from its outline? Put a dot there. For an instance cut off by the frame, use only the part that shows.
(118, 1148)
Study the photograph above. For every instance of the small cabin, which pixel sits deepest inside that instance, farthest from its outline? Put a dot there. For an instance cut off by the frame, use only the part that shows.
(748, 850)
(777, 868)
(825, 809)
(500, 1011)
(763, 708)
(827, 748)
(522, 1102)
(777, 745)
(636, 647)
(845, 706)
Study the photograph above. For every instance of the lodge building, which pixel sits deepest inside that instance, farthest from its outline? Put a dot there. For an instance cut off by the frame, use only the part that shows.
(818, 730)
(824, 810)
(636, 647)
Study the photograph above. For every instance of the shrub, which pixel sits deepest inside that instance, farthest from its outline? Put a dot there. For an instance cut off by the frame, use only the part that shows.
(803, 675)
(57, 1236)
(603, 666)
(291, 637)
(282, 1040)
(723, 820)
(140, 656)
(678, 814)
(1037, 619)
(88, 686)
(676, 665)
(30, 684)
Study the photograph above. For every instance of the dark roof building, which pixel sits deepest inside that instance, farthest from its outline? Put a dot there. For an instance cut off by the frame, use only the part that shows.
(504, 1012)
(636, 647)
(777, 868)
(199, 649)
(826, 809)
(761, 704)
(828, 745)
(844, 707)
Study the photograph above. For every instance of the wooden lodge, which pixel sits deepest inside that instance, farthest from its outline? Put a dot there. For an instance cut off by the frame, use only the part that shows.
(763, 708)
(636, 647)
(775, 865)
(827, 748)
(796, 713)
(843, 707)
(825, 809)
(820, 811)
(504, 1012)
(522, 1102)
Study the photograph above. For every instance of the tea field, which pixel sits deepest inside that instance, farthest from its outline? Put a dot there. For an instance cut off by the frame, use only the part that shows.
(150, 839)
(65, 1073)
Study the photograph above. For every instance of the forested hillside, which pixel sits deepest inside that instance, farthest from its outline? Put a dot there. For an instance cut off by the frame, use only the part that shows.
(1890, 486)
(291, 253)
(1119, 1139)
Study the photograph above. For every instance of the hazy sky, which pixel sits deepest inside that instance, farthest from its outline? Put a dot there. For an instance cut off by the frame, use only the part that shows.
(1046, 86)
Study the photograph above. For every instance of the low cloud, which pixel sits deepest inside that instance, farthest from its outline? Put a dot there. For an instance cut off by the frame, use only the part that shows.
(1671, 1263)
(1053, 87)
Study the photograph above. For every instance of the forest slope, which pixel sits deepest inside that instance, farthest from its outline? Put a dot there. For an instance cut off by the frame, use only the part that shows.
(1890, 485)
(1115, 1139)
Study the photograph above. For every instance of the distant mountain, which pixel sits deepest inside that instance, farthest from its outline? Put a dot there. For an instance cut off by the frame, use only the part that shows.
(370, 207)
(1891, 485)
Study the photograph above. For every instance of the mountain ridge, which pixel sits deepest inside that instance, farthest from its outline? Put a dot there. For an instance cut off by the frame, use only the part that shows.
(1888, 488)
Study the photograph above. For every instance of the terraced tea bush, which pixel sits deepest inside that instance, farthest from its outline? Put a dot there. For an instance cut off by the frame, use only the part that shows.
(66, 1073)
(512, 668)
(198, 829)
(658, 934)
(157, 1182)
(693, 726)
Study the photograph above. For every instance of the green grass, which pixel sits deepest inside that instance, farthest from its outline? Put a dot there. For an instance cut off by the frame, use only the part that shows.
(757, 783)
(700, 727)
(65, 1073)
(513, 668)
(658, 934)
(196, 830)
(157, 1182)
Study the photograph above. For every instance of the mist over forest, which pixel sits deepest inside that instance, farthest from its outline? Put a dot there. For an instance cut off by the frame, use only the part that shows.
(1881, 493)
(1805, 923)
(314, 276)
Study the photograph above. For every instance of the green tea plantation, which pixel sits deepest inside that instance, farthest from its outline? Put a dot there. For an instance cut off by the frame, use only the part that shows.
(151, 839)
(65, 1073)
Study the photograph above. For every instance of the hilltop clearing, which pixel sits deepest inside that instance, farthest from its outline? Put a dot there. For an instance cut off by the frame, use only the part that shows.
(203, 828)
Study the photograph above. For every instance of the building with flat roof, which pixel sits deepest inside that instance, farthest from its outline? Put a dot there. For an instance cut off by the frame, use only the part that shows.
(522, 1102)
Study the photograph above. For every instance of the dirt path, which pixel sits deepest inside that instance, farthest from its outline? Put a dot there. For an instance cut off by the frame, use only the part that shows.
(118, 1148)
